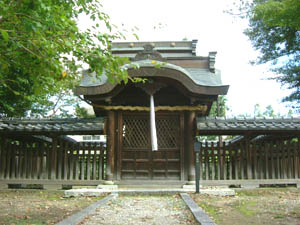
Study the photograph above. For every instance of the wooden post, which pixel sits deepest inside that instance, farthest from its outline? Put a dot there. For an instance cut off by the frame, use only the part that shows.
(181, 139)
(59, 158)
(213, 162)
(206, 162)
(2, 156)
(53, 158)
(220, 161)
(71, 156)
(111, 145)
(190, 138)
(88, 164)
(248, 158)
(118, 144)
(231, 162)
(65, 165)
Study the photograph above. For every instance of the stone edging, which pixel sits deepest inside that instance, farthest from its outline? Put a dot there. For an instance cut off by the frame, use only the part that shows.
(199, 215)
(78, 217)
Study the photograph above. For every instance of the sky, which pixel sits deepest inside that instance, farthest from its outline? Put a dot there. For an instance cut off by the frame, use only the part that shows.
(215, 30)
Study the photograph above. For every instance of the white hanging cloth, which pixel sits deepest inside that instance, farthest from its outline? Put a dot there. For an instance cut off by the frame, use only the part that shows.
(152, 124)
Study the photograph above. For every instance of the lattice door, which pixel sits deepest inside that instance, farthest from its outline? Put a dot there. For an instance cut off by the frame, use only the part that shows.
(135, 132)
(138, 161)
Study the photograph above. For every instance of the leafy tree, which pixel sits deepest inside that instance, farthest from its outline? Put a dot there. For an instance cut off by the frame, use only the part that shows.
(270, 112)
(82, 112)
(274, 30)
(257, 111)
(42, 50)
(216, 111)
(221, 111)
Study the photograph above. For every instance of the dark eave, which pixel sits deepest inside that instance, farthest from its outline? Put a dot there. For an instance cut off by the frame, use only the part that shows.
(166, 70)
(51, 126)
(239, 126)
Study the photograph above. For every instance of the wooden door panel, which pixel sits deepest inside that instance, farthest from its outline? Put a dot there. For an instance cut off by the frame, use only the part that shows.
(138, 161)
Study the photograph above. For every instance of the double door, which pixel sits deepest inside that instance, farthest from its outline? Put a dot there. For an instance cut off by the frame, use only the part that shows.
(136, 158)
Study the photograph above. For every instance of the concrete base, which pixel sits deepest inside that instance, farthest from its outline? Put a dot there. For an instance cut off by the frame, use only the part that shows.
(87, 192)
(210, 190)
(107, 187)
(191, 182)
(218, 192)
(221, 191)
(249, 186)
(108, 182)
(52, 186)
(190, 186)
(298, 185)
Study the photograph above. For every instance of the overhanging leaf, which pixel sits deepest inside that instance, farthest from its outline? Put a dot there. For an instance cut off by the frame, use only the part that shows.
(4, 35)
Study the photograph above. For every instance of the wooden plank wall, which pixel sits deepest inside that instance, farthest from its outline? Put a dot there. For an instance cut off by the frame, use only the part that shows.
(241, 161)
(34, 160)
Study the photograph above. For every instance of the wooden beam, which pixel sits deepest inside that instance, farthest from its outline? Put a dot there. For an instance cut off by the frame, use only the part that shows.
(190, 139)
(53, 163)
(111, 128)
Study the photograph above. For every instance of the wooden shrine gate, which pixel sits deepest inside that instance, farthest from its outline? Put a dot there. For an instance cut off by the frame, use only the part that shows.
(136, 159)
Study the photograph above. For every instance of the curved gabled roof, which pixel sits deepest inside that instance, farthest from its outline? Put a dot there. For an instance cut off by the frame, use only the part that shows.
(196, 80)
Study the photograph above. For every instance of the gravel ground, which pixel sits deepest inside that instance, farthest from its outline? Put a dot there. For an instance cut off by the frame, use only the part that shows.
(142, 209)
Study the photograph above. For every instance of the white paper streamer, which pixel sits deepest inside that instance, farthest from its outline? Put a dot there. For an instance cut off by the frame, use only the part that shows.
(152, 124)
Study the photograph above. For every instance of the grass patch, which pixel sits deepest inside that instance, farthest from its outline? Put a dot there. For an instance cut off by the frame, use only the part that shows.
(244, 207)
(210, 209)
(256, 206)
(39, 206)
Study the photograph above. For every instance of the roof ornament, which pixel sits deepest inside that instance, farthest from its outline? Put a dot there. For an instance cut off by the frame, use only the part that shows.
(212, 61)
(148, 53)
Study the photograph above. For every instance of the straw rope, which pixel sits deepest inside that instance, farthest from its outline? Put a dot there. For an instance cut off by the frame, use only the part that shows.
(202, 108)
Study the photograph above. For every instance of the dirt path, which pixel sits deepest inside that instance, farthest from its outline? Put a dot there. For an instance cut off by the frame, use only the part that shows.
(143, 209)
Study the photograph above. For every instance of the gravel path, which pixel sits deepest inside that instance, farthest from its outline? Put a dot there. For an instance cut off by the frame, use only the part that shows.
(142, 209)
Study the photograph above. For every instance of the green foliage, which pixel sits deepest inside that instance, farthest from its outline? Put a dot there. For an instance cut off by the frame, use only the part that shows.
(42, 50)
(274, 30)
(269, 112)
(82, 112)
(214, 112)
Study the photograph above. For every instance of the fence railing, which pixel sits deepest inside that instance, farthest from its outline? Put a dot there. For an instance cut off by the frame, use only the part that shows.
(59, 161)
(246, 161)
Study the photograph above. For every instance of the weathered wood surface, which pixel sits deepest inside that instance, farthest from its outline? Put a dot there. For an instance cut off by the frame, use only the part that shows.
(37, 162)
(137, 160)
(250, 161)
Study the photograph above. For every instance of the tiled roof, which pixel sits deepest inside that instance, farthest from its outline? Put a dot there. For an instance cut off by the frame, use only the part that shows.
(209, 124)
(200, 76)
(70, 125)
(196, 80)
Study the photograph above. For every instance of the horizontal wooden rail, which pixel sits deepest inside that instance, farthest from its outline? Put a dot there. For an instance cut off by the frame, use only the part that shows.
(58, 161)
(272, 160)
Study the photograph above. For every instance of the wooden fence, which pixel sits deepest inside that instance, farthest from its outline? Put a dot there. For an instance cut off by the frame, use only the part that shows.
(273, 160)
(58, 161)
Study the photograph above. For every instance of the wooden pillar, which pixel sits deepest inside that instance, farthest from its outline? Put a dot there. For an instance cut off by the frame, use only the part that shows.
(2, 156)
(53, 163)
(190, 139)
(111, 131)
(248, 158)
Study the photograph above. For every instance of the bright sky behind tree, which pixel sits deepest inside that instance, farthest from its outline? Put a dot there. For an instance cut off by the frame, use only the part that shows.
(215, 30)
